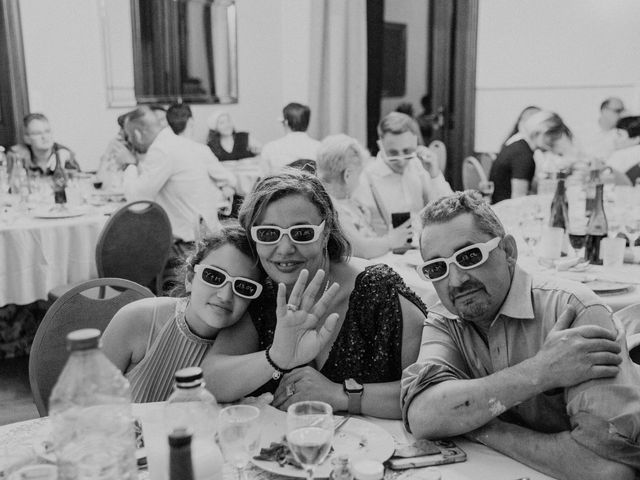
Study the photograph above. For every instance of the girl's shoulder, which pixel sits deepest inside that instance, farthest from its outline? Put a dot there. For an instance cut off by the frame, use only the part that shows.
(143, 312)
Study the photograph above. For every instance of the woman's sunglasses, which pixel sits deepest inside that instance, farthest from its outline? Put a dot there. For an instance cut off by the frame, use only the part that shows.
(465, 258)
(216, 277)
(269, 234)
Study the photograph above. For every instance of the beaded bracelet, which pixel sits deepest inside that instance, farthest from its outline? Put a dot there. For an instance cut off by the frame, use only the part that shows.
(278, 371)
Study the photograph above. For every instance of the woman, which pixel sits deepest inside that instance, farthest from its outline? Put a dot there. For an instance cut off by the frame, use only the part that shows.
(226, 143)
(372, 335)
(339, 165)
(152, 338)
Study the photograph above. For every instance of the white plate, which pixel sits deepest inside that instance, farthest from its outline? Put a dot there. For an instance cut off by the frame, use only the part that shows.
(358, 439)
(54, 213)
(608, 288)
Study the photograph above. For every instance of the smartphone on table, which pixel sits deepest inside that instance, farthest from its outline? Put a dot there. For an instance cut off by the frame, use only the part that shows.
(426, 453)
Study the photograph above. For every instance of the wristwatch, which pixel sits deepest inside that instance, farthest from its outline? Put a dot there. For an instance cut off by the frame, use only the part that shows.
(354, 391)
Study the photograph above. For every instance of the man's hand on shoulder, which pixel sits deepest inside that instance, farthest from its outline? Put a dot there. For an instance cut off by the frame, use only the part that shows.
(570, 356)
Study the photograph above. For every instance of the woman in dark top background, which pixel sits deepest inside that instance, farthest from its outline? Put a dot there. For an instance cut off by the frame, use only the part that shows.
(226, 143)
(373, 332)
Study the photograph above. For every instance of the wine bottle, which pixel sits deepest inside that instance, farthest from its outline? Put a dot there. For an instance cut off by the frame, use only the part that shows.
(597, 229)
(59, 182)
(590, 190)
(559, 215)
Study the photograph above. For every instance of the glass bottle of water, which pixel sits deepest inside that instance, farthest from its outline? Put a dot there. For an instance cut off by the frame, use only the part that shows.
(193, 407)
(180, 463)
(90, 409)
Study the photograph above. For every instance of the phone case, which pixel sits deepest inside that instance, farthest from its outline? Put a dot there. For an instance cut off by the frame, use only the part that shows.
(448, 452)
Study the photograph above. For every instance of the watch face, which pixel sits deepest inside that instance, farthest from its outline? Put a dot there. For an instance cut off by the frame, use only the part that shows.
(351, 386)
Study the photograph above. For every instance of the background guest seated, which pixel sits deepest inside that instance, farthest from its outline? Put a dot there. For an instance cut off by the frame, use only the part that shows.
(149, 340)
(40, 153)
(119, 152)
(340, 163)
(370, 337)
(627, 160)
(228, 144)
(504, 361)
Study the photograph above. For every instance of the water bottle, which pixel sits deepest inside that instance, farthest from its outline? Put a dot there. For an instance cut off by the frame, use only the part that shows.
(180, 462)
(193, 407)
(91, 419)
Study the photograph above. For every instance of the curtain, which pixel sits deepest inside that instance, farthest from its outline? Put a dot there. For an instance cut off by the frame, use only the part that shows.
(338, 77)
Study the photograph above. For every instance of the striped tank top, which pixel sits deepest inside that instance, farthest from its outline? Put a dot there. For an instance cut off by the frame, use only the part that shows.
(174, 348)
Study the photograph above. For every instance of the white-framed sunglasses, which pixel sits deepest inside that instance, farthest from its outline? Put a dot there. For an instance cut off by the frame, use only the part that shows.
(217, 277)
(407, 156)
(466, 258)
(302, 234)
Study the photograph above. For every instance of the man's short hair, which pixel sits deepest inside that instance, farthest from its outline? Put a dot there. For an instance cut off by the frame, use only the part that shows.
(136, 117)
(33, 116)
(631, 125)
(397, 123)
(607, 102)
(297, 116)
(447, 208)
(178, 115)
(336, 154)
(157, 106)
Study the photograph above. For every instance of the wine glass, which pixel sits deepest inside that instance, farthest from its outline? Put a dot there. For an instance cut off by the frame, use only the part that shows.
(239, 435)
(577, 239)
(309, 433)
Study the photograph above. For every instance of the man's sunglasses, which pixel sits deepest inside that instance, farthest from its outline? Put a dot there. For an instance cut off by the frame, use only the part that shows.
(465, 258)
(216, 277)
(407, 156)
(269, 234)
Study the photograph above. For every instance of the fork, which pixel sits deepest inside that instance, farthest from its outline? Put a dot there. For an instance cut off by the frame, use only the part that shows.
(339, 423)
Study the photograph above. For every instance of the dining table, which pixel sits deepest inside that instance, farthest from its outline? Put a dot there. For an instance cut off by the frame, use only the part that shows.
(21, 444)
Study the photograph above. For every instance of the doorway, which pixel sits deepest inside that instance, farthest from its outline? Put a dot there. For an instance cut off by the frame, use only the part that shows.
(14, 102)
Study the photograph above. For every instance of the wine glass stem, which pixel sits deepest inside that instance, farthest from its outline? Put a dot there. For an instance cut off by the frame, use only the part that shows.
(309, 473)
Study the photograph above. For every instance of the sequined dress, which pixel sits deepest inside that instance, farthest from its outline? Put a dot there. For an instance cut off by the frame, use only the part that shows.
(368, 347)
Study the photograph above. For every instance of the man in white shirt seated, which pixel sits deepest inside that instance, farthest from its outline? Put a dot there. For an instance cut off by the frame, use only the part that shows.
(404, 176)
(181, 175)
(607, 138)
(295, 145)
(627, 160)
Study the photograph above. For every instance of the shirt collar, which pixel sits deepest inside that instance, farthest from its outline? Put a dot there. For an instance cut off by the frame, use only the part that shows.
(381, 168)
(517, 304)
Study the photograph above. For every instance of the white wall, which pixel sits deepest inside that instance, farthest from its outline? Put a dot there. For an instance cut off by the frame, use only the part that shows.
(566, 56)
(414, 14)
(66, 75)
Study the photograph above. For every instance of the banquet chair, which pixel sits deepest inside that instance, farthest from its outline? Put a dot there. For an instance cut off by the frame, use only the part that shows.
(630, 318)
(439, 148)
(134, 244)
(472, 173)
(73, 310)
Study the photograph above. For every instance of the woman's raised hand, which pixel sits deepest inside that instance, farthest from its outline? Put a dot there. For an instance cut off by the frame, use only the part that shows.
(302, 329)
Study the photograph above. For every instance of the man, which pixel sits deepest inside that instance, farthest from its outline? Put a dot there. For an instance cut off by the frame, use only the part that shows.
(181, 175)
(40, 152)
(295, 144)
(404, 177)
(180, 119)
(606, 138)
(627, 160)
(499, 363)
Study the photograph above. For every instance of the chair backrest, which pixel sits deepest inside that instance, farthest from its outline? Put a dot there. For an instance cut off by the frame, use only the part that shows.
(439, 148)
(135, 243)
(472, 174)
(73, 311)
(486, 160)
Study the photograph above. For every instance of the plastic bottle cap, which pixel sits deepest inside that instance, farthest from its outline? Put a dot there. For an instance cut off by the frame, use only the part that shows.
(180, 437)
(188, 377)
(83, 339)
(368, 470)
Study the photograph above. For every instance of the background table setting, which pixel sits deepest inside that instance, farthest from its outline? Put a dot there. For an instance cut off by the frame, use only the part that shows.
(25, 443)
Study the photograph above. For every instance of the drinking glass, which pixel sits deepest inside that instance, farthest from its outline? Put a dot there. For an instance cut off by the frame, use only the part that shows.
(577, 238)
(239, 435)
(310, 433)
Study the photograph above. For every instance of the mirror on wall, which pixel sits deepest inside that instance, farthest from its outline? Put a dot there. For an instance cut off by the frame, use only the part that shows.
(169, 50)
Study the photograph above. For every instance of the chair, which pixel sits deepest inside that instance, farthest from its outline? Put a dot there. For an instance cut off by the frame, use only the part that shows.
(72, 311)
(630, 318)
(486, 160)
(439, 148)
(134, 244)
(472, 174)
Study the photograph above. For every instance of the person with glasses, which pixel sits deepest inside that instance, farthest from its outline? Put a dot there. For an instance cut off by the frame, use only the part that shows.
(353, 357)
(404, 176)
(152, 338)
(605, 137)
(534, 367)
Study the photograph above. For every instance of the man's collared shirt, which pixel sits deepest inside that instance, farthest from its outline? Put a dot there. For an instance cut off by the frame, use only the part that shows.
(181, 176)
(293, 146)
(603, 415)
(384, 191)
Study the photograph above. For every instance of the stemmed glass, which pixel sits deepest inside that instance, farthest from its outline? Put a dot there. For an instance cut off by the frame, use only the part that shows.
(239, 435)
(310, 433)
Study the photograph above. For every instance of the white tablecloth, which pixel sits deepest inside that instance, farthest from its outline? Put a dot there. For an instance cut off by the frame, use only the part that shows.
(482, 462)
(247, 171)
(38, 254)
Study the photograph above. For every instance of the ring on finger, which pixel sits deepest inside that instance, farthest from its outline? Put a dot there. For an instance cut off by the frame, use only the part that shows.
(292, 307)
(290, 389)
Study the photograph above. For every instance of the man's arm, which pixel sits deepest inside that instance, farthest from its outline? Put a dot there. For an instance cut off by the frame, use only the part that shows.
(217, 171)
(144, 181)
(557, 455)
(569, 356)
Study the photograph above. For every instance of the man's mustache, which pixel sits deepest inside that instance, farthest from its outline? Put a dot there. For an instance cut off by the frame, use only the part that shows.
(466, 287)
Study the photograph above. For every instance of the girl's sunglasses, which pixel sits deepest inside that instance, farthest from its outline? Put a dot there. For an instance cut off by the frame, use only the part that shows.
(216, 277)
